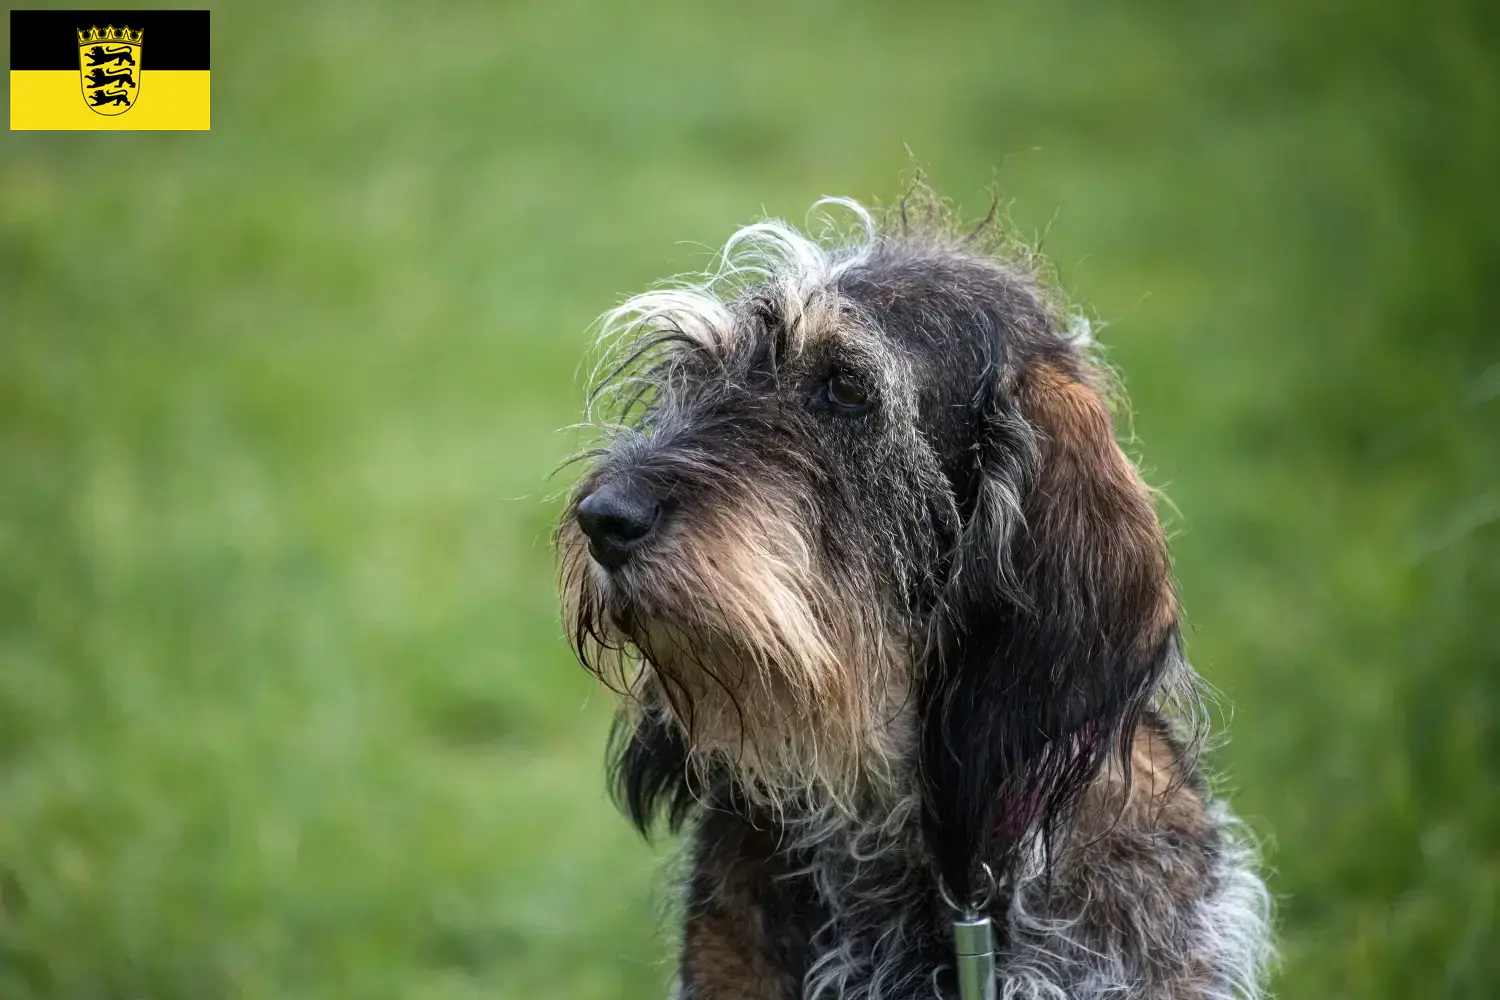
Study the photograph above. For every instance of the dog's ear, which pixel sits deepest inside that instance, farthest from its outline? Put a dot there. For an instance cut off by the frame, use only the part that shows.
(1057, 621)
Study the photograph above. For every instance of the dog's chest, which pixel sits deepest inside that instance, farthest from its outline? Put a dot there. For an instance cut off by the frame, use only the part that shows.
(827, 917)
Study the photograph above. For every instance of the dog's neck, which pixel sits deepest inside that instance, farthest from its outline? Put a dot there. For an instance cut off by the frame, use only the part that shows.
(881, 827)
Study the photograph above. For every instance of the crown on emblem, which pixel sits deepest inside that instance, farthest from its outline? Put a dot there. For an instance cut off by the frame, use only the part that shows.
(110, 34)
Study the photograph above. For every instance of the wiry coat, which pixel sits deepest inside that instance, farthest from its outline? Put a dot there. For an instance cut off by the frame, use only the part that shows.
(902, 625)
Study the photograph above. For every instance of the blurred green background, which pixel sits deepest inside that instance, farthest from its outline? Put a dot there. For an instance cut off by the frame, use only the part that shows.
(285, 711)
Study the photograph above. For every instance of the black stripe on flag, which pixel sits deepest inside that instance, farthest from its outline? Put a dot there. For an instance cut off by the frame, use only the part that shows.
(48, 39)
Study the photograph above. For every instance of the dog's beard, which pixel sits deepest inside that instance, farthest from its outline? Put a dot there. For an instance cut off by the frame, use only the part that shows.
(730, 628)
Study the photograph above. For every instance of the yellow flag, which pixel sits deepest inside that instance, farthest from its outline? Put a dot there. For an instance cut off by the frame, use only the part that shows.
(102, 69)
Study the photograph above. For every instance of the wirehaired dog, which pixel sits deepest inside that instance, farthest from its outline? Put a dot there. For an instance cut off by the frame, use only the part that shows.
(892, 619)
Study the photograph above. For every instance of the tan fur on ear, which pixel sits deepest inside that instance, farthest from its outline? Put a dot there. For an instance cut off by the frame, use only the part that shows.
(1088, 488)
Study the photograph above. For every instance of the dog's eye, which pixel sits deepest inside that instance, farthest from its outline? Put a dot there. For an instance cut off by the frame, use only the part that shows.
(846, 391)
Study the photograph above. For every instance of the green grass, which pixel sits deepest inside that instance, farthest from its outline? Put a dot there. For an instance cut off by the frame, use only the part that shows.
(284, 706)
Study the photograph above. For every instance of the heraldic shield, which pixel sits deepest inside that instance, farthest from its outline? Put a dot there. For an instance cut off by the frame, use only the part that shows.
(110, 63)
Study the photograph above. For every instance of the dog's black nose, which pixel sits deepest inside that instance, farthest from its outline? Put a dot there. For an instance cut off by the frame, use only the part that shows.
(617, 519)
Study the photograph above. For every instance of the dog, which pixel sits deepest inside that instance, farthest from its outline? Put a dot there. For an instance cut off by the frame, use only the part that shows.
(892, 622)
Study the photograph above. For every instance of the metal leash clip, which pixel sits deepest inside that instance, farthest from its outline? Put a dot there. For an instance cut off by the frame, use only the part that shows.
(974, 944)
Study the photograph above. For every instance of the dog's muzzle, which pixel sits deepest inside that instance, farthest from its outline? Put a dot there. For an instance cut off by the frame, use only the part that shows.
(617, 518)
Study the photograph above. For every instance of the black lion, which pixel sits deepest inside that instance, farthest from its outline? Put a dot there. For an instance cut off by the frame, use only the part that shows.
(100, 98)
(99, 78)
(99, 55)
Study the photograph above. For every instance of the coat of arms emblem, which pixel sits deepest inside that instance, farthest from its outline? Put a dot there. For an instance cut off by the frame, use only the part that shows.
(110, 64)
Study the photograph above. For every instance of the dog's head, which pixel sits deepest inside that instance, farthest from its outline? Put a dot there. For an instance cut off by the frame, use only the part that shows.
(858, 524)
